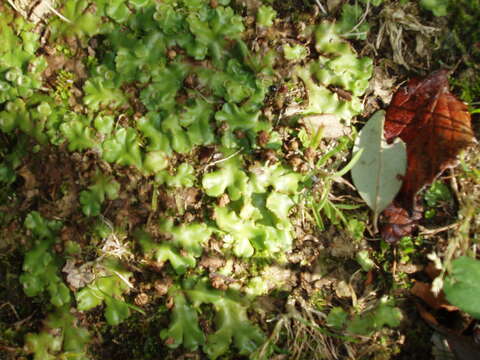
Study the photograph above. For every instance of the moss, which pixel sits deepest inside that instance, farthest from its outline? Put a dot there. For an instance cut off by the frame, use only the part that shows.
(463, 41)
(293, 7)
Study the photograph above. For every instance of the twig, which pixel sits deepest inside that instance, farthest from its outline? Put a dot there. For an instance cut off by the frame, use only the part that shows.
(360, 22)
(320, 6)
(394, 265)
(52, 9)
(125, 280)
(342, 180)
(209, 165)
(454, 185)
(33, 8)
(19, 323)
(9, 348)
(11, 308)
(430, 232)
(12, 4)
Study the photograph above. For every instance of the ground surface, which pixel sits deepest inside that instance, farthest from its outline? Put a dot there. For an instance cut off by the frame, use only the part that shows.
(162, 198)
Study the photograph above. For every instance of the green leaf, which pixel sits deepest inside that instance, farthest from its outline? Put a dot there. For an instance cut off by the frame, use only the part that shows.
(169, 20)
(229, 177)
(237, 117)
(346, 71)
(328, 40)
(41, 227)
(161, 93)
(438, 192)
(349, 20)
(437, 7)
(123, 148)
(337, 317)
(166, 251)
(294, 52)
(92, 199)
(266, 15)
(75, 338)
(104, 124)
(88, 298)
(108, 287)
(340, 66)
(231, 322)
(213, 34)
(41, 266)
(60, 332)
(191, 237)
(116, 311)
(151, 128)
(322, 101)
(184, 327)
(59, 293)
(117, 10)
(364, 260)
(280, 178)
(378, 172)
(462, 287)
(385, 314)
(78, 134)
(81, 21)
(90, 202)
(240, 230)
(155, 161)
(42, 345)
(99, 91)
(280, 205)
(105, 187)
(184, 176)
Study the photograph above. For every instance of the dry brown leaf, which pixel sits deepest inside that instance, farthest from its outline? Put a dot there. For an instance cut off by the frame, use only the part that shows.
(330, 125)
(435, 127)
(424, 291)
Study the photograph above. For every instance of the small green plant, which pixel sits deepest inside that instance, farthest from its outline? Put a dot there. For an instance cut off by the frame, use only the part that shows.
(322, 205)
(384, 314)
(266, 15)
(11, 159)
(351, 24)
(437, 7)
(364, 260)
(339, 66)
(81, 21)
(337, 317)
(231, 321)
(41, 266)
(108, 287)
(437, 194)
(408, 247)
(259, 223)
(184, 176)
(184, 329)
(64, 84)
(123, 148)
(185, 245)
(78, 132)
(102, 90)
(295, 52)
(103, 188)
(60, 337)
